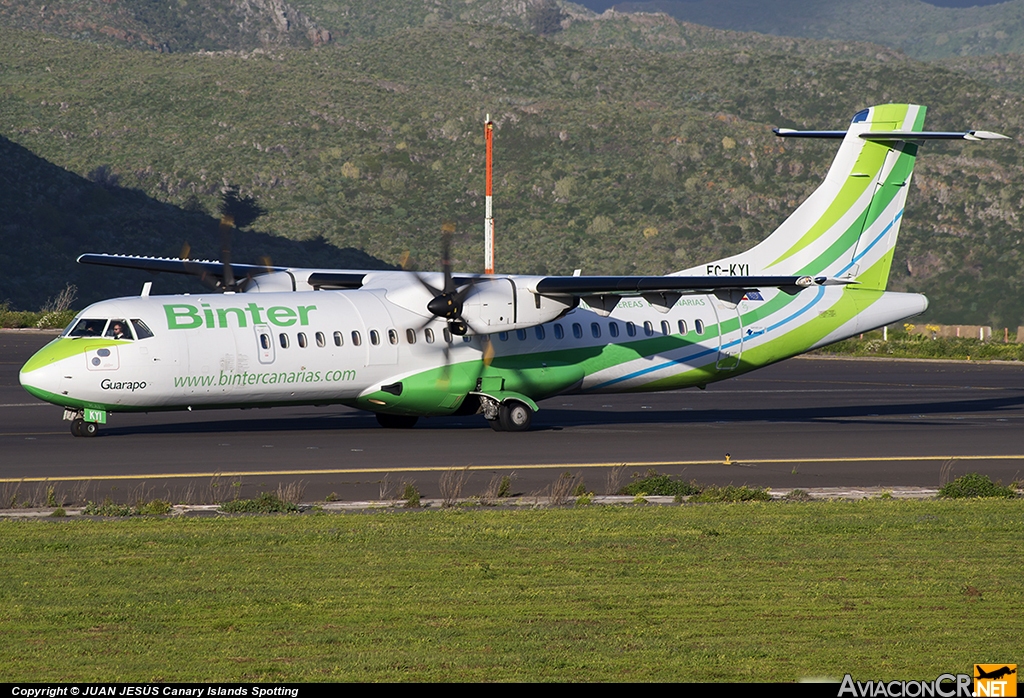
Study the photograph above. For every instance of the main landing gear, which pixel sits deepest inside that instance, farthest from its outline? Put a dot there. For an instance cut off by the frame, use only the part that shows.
(512, 416)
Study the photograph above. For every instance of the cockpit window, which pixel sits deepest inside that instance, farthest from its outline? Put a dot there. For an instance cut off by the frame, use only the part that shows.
(86, 328)
(142, 331)
(118, 329)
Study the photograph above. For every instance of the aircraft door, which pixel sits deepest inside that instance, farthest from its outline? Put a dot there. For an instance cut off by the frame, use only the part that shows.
(730, 329)
(213, 361)
(265, 344)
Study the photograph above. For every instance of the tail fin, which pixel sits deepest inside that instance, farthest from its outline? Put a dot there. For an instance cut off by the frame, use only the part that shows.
(848, 227)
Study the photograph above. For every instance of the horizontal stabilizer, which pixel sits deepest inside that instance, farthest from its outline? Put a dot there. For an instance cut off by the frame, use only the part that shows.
(896, 135)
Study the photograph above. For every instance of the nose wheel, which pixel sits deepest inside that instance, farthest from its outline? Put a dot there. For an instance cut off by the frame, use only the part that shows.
(80, 427)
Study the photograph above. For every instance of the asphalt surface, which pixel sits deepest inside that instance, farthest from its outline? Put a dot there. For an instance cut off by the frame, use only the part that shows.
(802, 423)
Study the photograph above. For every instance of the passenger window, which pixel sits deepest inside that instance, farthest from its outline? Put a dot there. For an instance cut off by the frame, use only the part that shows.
(631, 329)
(559, 332)
(410, 336)
(283, 338)
(141, 330)
(539, 331)
(118, 329)
(503, 336)
(428, 334)
(613, 329)
(666, 328)
(577, 330)
(338, 340)
(374, 337)
(698, 325)
(320, 339)
(302, 340)
(447, 335)
(648, 328)
(357, 338)
(466, 339)
(393, 336)
(265, 341)
(682, 327)
(521, 335)
(595, 329)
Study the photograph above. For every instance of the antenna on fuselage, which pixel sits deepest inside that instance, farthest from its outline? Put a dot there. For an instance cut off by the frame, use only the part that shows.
(488, 211)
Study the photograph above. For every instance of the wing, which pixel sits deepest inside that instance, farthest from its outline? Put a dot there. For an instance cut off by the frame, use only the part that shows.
(602, 293)
(211, 272)
(639, 285)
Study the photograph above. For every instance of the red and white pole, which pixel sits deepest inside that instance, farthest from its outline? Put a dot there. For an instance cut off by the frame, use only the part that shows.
(488, 211)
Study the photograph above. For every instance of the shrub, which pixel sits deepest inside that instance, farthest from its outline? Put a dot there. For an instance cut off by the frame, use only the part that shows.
(660, 485)
(266, 503)
(108, 508)
(975, 485)
(505, 488)
(411, 495)
(731, 493)
(156, 507)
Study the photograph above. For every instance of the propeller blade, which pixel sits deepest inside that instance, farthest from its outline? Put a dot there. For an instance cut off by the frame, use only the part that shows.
(488, 353)
(447, 229)
(227, 223)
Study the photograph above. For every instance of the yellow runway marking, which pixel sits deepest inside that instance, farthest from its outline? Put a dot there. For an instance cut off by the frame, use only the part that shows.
(527, 466)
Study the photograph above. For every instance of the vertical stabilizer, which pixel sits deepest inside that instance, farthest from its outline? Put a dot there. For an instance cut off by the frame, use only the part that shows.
(848, 227)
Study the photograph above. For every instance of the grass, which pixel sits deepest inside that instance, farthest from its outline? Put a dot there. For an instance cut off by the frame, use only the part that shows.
(906, 346)
(737, 592)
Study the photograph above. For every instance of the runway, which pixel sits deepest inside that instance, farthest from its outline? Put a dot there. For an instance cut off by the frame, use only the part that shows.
(805, 423)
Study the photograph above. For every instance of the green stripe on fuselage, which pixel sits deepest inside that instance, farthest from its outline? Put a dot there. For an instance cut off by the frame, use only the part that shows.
(63, 347)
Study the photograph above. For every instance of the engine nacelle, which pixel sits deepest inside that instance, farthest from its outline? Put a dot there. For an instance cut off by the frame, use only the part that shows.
(273, 282)
(503, 304)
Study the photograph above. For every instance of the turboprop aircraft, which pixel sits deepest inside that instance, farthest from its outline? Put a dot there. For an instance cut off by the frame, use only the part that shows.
(406, 345)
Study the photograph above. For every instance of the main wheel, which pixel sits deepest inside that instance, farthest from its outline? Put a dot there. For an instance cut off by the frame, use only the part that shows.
(515, 416)
(396, 421)
(76, 426)
(90, 428)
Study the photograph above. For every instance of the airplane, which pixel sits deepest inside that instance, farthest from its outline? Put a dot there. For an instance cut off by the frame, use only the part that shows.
(406, 345)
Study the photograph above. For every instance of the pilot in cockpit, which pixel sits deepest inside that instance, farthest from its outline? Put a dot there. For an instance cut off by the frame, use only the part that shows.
(118, 330)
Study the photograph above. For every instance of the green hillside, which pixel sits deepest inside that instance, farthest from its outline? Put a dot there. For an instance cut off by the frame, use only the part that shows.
(50, 216)
(609, 160)
(183, 25)
(922, 30)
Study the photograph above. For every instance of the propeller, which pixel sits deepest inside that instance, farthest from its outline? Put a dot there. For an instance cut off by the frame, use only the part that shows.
(447, 302)
(226, 282)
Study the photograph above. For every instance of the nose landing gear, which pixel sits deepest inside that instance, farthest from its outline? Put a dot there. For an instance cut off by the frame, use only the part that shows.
(80, 427)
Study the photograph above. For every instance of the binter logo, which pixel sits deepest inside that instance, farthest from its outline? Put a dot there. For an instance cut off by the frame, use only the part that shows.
(995, 680)
(184, 316)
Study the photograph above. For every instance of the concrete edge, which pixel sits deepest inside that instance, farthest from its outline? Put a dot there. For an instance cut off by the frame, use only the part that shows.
(525, 502)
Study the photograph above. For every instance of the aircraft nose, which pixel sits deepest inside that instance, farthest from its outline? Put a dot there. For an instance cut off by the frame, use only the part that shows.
(41, 375)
